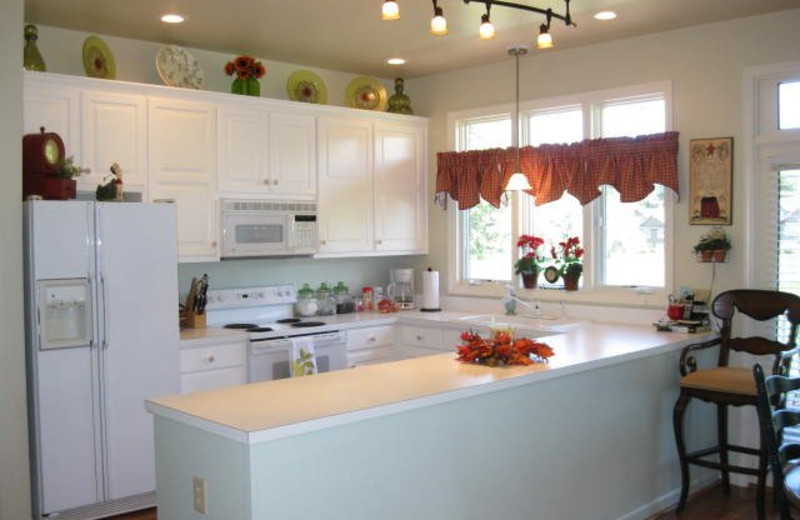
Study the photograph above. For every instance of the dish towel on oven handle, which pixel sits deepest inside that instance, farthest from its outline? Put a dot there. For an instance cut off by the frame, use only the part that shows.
(304, 358)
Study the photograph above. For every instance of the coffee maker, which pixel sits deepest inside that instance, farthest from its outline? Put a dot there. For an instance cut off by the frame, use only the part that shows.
(401, 288)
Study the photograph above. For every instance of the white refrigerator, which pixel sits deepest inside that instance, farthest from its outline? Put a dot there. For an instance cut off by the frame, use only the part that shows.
(102, 335)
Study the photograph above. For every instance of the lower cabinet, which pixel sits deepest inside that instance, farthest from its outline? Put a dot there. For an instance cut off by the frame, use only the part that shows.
(371, 345)
(425, 341)
(211, 363)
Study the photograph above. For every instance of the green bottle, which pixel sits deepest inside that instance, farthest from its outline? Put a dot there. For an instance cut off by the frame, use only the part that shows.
(32, 58)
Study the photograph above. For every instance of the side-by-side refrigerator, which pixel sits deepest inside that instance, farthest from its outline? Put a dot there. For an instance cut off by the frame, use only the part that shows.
(101, 337)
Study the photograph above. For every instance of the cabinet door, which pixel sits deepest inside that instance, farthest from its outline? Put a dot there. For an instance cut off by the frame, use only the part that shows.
(293, 145)
(182, 167)
(113, 130)
(345, 186)
(56, 109)
(244, 151)
(400, 187)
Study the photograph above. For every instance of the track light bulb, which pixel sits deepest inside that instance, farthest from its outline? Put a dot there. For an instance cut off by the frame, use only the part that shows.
(391, 11)
(544, 40)
(438, 23)
(487, 31)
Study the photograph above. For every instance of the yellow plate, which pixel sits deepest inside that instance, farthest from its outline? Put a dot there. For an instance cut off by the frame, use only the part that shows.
(366, 93)
(306, 86)
(98, 62)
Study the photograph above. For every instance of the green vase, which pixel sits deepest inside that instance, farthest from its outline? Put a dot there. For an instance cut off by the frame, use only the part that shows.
(238, 86)
(31, 57)
(253, 87)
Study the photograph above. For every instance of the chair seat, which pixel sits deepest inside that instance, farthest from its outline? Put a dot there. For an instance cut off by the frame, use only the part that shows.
(732, 380)
(791, 485)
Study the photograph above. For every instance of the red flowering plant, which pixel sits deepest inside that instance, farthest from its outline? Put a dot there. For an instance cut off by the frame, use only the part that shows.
(530, 261)
(501, 349)
(245, 67)
(568, 257)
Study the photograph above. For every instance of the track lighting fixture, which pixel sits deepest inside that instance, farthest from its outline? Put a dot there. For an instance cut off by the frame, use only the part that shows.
(486, 30)
(544, 40)
(438, 22)
(391, 11)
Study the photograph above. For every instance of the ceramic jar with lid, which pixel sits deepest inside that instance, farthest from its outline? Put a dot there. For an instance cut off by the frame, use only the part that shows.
(307, 303)
(344, 303)
(327, 303)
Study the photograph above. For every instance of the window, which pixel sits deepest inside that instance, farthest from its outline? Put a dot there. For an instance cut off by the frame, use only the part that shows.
(789, 105)
(788, 237)
(628, 240)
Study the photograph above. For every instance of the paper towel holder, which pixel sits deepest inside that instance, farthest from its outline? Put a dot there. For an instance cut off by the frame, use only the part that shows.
(430, 282)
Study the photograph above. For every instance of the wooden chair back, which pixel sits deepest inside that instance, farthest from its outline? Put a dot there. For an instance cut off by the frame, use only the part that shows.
(760, 305)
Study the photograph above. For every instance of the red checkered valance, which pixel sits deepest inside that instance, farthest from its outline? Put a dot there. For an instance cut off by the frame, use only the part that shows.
(632, 165)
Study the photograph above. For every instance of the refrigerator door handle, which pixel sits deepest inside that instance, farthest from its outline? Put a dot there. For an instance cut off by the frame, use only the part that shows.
(106, 316)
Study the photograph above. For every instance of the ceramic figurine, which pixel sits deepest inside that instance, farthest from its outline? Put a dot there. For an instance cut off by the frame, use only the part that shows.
(31, 57)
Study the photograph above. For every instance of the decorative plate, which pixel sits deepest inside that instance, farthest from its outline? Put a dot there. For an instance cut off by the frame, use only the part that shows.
(98, 62)
(178, 68)
(366, 93)
(306, 86)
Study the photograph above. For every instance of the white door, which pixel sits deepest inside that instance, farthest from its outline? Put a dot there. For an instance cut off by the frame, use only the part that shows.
(345, 186)
(400, 212)
(67, 460)
(182, 167)
(244, 150)
(113, 130)
(293, 145)
(137, 261)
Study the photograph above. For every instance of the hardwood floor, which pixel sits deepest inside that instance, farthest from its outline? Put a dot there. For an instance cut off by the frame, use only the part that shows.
(709, 504)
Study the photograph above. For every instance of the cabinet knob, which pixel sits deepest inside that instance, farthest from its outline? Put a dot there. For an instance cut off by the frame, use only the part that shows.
(266, 181)
(210, 358)
(379, 242)
(322, 242)
(214, 244)
(372, 339)
(275, 182)
(419, 337)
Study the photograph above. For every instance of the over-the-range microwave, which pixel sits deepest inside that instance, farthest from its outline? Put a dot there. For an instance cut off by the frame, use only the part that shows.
(258, 228)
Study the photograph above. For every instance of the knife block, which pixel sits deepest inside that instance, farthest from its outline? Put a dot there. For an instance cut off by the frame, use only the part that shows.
(194, 321)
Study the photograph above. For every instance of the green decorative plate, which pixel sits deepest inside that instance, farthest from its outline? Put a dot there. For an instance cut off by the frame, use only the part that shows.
(306, 86)
(98, 62)
(366, 93)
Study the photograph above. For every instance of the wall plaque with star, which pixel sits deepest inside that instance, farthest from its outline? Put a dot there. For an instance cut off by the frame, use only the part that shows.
(711, 181)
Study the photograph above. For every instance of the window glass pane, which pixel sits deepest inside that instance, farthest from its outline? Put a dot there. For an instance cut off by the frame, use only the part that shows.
(556, 221)
(486, 229)
(789, 105)
(489, 240)
(632, 234)
(634, 240)
(632, 119)
(555, 126)
(788, 238)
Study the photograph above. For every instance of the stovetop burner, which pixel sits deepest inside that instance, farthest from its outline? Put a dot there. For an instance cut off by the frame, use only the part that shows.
(304, 324)
(288, 320)
(241, 326)
(261, 329)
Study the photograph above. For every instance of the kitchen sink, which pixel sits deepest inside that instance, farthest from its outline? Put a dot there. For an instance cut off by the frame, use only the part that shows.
(544, 322)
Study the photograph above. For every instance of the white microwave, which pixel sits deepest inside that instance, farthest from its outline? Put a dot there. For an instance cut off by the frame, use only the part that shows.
(258, 228)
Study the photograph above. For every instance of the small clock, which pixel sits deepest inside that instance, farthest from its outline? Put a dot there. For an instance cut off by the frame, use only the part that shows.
(42, 153)
(551, 274)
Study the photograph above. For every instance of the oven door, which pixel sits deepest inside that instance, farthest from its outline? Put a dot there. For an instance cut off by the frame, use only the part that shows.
(256, 234)
(268, 359)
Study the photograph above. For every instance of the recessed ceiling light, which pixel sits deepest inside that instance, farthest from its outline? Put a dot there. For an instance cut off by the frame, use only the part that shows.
(396, 61)
(605, 15)
(173, 18)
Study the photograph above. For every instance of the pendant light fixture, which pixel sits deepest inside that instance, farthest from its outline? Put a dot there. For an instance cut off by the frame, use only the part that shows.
(438, 22)
(390, 11)
(518, 181)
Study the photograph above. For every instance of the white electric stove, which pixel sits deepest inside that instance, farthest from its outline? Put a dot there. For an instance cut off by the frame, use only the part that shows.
(265, 313)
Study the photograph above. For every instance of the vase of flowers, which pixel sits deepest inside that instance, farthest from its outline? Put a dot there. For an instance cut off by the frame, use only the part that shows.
(530, 261)
(568, 257)
(247, 71)
(713, 246)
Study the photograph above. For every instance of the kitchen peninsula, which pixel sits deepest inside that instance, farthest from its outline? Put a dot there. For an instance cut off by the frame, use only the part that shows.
(586, 436)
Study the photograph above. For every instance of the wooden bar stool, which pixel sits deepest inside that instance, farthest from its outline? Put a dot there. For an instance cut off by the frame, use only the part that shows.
(726, 386)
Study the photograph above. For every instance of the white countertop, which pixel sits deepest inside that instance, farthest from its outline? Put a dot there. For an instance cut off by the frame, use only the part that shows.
(262, 411)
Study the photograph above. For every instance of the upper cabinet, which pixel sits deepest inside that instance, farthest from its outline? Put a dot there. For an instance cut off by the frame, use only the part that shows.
(293, 155)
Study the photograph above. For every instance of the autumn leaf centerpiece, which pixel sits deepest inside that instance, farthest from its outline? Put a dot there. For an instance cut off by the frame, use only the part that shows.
(501, 349)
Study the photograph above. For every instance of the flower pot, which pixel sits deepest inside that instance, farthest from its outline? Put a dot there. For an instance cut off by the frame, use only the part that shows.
(530, 280)
(571, 281)
(706, 256)
(719, 255)
(238, 86)
(253, 87)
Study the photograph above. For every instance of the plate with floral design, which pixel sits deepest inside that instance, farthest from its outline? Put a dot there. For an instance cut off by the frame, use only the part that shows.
(306, 86)
(178, 68)
(366, 93)
(98, 62)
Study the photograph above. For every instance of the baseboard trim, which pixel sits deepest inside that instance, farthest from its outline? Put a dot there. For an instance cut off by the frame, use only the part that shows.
(669, 500)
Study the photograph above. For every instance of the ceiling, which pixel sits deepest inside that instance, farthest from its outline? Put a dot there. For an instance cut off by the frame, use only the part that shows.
(349, 35)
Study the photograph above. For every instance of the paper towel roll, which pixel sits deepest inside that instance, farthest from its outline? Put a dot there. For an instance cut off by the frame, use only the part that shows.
(430, 290)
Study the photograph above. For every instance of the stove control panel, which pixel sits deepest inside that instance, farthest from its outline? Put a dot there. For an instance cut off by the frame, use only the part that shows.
(251, 296)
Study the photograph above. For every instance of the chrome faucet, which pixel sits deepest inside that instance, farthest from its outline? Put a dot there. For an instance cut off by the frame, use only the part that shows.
(510, 301)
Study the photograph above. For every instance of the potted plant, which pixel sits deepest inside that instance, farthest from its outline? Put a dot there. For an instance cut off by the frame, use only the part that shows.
(568, 257)
(713, 246)
(248, 71)
(530, 261)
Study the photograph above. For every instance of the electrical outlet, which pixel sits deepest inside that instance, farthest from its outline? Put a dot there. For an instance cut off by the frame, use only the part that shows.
(199, 493)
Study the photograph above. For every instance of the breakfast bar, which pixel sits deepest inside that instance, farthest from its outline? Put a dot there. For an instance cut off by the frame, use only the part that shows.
(579, 437)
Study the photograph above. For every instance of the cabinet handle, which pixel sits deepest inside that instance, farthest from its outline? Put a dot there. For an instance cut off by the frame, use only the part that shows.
(266, 181)
(210, 358)
(322, 242)
(214, 244)
(275, 182)
(420, 337)
(379, 242)
(371, 339)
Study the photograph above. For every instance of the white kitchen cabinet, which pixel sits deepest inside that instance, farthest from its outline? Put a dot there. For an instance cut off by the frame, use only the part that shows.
(212, 363)
(371, 345)
(182, 167)
(56, 108)
(372, 186)
(113, 130)
(264, 153)
(417, 341)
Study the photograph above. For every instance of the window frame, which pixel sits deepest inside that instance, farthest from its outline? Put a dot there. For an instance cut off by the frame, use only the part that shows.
(591, 292)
